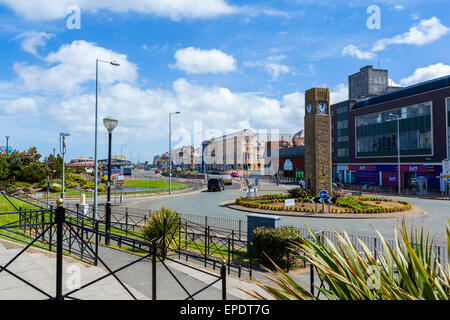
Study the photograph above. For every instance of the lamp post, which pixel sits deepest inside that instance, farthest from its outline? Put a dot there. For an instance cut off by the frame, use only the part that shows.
(170, 150)
(62, 149)
(96, 125)
(110, 125)
(398, 151)
(7, 145)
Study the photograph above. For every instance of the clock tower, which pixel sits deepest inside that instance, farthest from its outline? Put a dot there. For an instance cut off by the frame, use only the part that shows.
(318, 161)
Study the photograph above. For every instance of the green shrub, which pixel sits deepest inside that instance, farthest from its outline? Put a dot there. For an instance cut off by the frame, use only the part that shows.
(275, 243)
(155, 230)
(54, 187)
(299, 193)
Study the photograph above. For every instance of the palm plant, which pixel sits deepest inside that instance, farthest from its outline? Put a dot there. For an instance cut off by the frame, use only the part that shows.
(162, 227)
(410, 271)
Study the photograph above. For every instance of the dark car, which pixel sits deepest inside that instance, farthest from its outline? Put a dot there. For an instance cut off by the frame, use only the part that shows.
(216, 184)
(215, 173)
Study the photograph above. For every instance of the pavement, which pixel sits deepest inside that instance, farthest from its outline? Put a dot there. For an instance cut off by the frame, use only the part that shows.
(38, 267)
(176, 280)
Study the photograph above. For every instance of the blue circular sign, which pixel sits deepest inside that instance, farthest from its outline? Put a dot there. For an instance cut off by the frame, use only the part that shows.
(323, 194)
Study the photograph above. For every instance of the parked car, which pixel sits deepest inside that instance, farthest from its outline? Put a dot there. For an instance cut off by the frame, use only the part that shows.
(215, 173)
(157, 171)
(227, 179)
(216, 184)
(235, 175)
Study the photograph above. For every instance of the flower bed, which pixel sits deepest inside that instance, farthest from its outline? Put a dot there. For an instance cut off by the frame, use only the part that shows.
(349, 204)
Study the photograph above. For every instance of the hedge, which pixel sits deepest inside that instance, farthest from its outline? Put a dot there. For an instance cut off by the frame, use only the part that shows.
(275, 243)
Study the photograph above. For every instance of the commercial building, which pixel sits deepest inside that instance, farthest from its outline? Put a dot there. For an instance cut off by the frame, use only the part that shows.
(365, 138)
(244, 150)
(82, 162)
(186, 157)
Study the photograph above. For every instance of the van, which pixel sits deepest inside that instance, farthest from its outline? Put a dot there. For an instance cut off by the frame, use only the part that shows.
(215, 184)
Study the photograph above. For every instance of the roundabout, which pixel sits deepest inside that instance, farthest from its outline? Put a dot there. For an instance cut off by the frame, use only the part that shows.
(412, 212)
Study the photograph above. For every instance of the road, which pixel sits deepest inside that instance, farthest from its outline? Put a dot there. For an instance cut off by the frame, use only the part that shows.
(209, 204)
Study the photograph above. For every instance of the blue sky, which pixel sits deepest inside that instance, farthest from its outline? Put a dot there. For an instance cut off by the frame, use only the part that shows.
(226, 65)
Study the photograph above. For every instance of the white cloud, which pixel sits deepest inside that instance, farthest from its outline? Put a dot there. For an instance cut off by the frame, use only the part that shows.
(392, 83)
(425, 32)
(354, 51)
(272, 65)
(31, 40)
(339, 93)
(399, 7)
(197, 61)
(20, 105)
(39, 10)
(142, 113)
(73, 65)
(427, 73)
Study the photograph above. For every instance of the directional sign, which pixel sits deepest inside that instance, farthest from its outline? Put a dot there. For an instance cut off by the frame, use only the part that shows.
(323, 194)
(316, 200)
(331, 200)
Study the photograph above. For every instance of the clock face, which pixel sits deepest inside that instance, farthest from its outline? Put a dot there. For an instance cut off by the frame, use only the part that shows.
(322, 107)
(309, 108)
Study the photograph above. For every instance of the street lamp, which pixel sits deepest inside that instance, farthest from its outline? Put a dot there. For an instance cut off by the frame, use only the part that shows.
(7, 145)
(110, 125)
(96, 116)
(62, 150)
(398, 150)
(170, 149)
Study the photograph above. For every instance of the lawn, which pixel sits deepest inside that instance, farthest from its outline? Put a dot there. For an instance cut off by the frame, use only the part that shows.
(159, 185)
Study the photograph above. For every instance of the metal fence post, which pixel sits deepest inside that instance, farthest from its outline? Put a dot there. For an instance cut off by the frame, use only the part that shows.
(126, 222)
(223, 275)
(153, 271)
(179, 238)
(50, 238)
(206, 243)
(375, 248)
(164, 240)
(240, 230)
(312, 279)
(60, 217)
(229, 249)
(96, 243)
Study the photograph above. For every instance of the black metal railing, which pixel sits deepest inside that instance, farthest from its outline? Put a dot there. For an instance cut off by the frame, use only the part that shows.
(67, 234)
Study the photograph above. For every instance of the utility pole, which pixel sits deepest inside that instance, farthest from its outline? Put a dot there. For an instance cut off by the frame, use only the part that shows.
(7, 145)
(62, 148)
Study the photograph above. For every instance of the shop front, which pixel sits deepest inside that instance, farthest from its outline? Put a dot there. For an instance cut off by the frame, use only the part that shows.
(387, 175)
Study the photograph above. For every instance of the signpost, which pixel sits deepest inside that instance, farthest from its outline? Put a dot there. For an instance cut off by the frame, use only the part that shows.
(120, 181)
(323, 196)
(322, 199)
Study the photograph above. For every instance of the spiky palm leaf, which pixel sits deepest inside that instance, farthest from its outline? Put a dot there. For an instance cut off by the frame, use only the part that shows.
(410, 271)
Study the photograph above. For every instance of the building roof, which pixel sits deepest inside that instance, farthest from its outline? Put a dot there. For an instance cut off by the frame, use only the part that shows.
(293, 152)
(419, 88)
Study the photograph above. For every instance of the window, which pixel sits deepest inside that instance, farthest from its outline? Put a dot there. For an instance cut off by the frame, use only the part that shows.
(343, 124)
(377, 133)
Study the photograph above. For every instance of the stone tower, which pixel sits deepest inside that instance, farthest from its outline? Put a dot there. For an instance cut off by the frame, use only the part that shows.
(318, 161)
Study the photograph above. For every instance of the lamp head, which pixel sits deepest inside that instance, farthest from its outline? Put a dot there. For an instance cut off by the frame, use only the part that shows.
(115, 64)
(110, 124)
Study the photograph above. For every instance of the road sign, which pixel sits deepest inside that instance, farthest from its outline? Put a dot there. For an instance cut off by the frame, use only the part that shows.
(289, 202)
(120, 180)
(323, 194)
(315, 200)
(331, 200)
